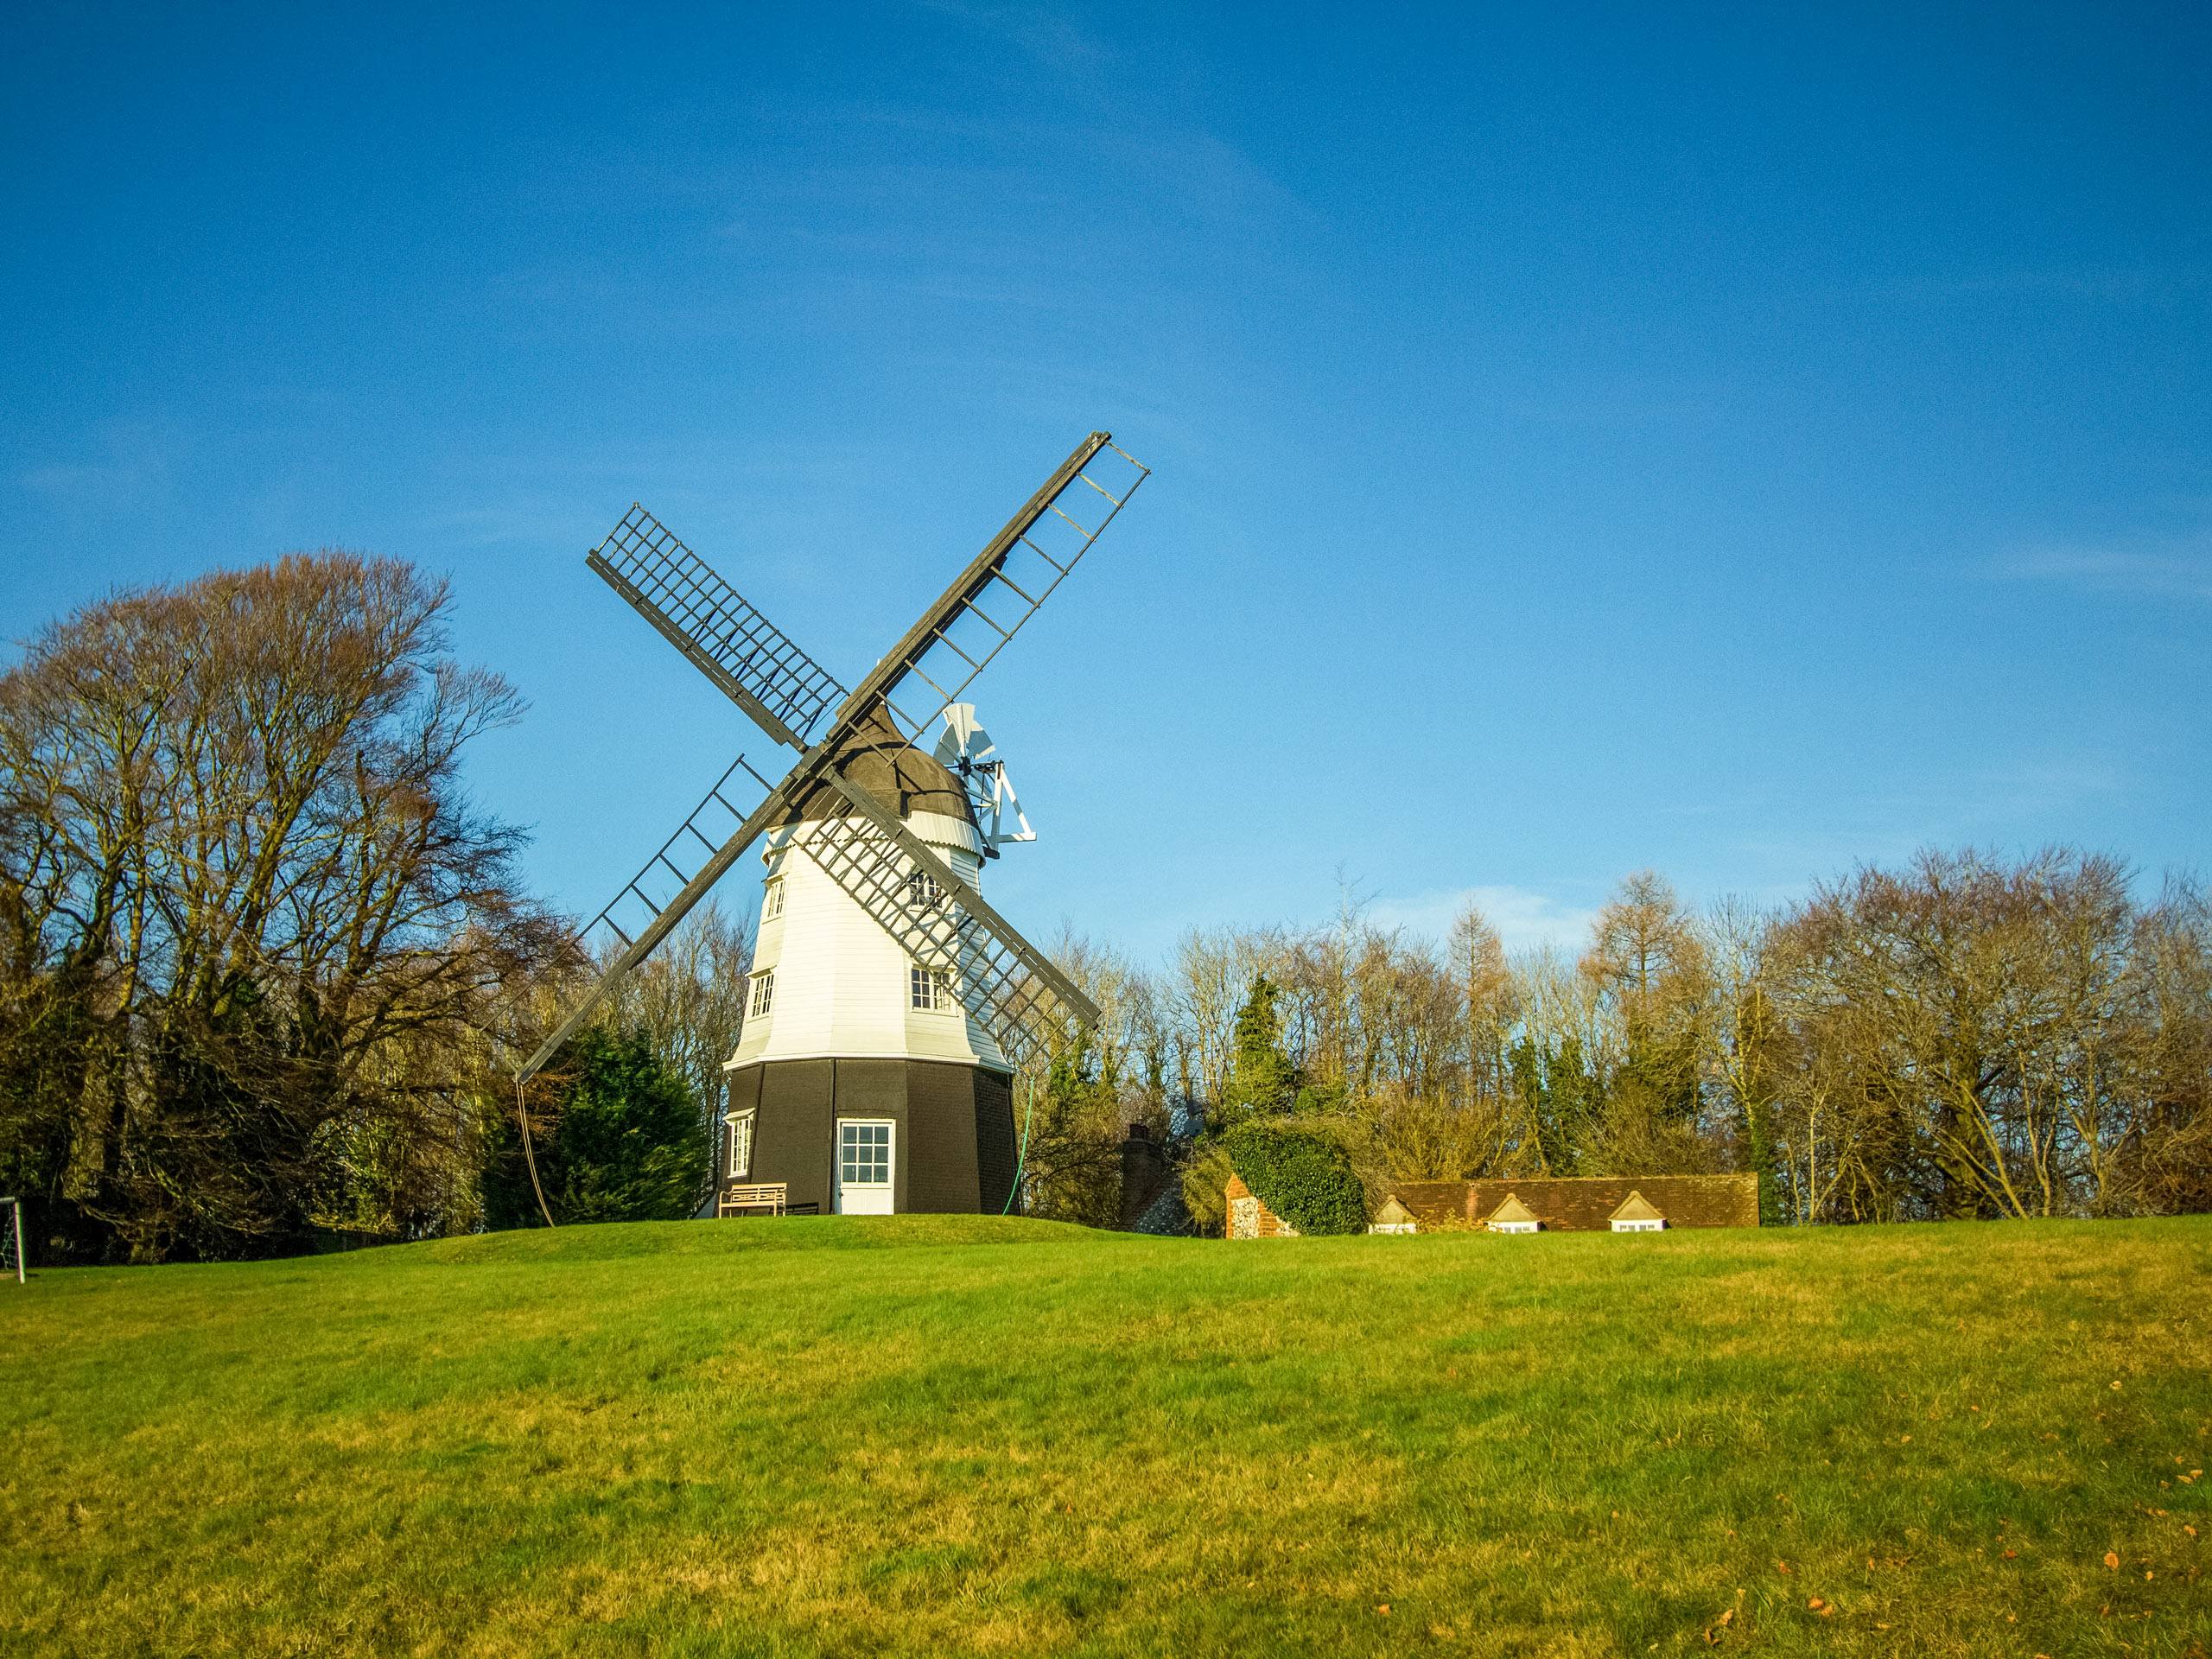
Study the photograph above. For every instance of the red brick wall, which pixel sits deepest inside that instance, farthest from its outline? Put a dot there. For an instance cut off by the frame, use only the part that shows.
(1250, 1218)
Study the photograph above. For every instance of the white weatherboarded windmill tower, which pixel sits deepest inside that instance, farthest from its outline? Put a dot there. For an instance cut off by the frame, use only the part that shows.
(890, 1006)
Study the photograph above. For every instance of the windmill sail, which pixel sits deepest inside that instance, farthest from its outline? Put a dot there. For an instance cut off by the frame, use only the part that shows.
(1001, 588)
(636, 912)
(747, 656)
(701, 852)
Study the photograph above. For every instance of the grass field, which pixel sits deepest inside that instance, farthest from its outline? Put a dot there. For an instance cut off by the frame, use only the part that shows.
(940, 1435)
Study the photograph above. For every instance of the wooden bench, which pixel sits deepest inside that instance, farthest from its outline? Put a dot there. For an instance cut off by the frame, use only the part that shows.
(770, 1196)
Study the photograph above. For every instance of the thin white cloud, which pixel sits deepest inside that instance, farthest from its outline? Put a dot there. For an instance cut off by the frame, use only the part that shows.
(1522, 918)
(2108, 285)
(137, 459)
(1044, 33)
(2185, 570)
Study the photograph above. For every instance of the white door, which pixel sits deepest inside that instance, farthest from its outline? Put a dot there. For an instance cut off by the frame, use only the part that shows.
(864, 1167)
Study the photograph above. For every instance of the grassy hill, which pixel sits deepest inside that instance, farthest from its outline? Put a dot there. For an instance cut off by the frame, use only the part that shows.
(940, 1435)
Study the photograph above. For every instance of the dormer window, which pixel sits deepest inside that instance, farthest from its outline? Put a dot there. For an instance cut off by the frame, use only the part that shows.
(1638, 1215)
(1514, 1216)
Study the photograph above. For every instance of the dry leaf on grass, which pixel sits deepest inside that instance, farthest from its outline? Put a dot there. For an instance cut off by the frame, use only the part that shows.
(2111, 1559)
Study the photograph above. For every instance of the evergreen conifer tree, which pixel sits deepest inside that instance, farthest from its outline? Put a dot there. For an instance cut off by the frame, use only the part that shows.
(1261, 1078)
(625, 1145)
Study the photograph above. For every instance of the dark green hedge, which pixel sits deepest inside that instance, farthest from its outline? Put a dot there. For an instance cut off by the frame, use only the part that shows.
(1304, 1177)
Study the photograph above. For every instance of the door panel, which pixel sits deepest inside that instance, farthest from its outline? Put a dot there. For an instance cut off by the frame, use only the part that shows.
(865, 1149)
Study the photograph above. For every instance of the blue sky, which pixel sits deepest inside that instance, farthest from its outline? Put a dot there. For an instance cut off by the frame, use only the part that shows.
(1741, 445)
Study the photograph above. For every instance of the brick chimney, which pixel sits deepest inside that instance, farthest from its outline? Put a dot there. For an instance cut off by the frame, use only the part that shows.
(1144, 1172)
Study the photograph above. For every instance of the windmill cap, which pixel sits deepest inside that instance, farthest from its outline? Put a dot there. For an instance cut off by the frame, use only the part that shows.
(878, 756)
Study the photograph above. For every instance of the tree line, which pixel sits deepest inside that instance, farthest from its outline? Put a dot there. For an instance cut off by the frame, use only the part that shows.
(1968, 1036)
(266, 968)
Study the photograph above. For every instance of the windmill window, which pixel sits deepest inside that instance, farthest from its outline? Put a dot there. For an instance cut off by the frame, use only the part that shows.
(764, 994)
(923, 893)
(926, 988)
(772, 903)
(864, 1154)
(740, 1144)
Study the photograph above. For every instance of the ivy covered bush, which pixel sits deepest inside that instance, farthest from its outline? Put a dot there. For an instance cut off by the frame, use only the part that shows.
(1304, 1176)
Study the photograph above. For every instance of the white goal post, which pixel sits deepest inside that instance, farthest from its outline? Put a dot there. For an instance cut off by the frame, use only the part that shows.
(11, 1238)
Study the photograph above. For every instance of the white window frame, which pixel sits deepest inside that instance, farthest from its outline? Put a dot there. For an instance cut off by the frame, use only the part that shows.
(740, 1150)
(1657, 1225)
(772, 901)
(761, 1001)
(928, 991)
(923, 892)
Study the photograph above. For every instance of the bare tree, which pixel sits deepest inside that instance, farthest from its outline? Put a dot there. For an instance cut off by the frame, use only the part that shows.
(1491, 1005)
(1745, 1050)
(1985, 1032)
(1648, 967)
(2162, 1163)
(236, 862)
(1211, 975)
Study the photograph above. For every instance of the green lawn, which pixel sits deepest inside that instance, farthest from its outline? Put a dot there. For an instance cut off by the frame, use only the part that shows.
(941, 1436)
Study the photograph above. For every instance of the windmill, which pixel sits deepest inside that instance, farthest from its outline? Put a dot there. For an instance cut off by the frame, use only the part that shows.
(890, 1006)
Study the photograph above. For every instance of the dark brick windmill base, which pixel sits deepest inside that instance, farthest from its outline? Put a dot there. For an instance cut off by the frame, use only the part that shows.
(954, 1145)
